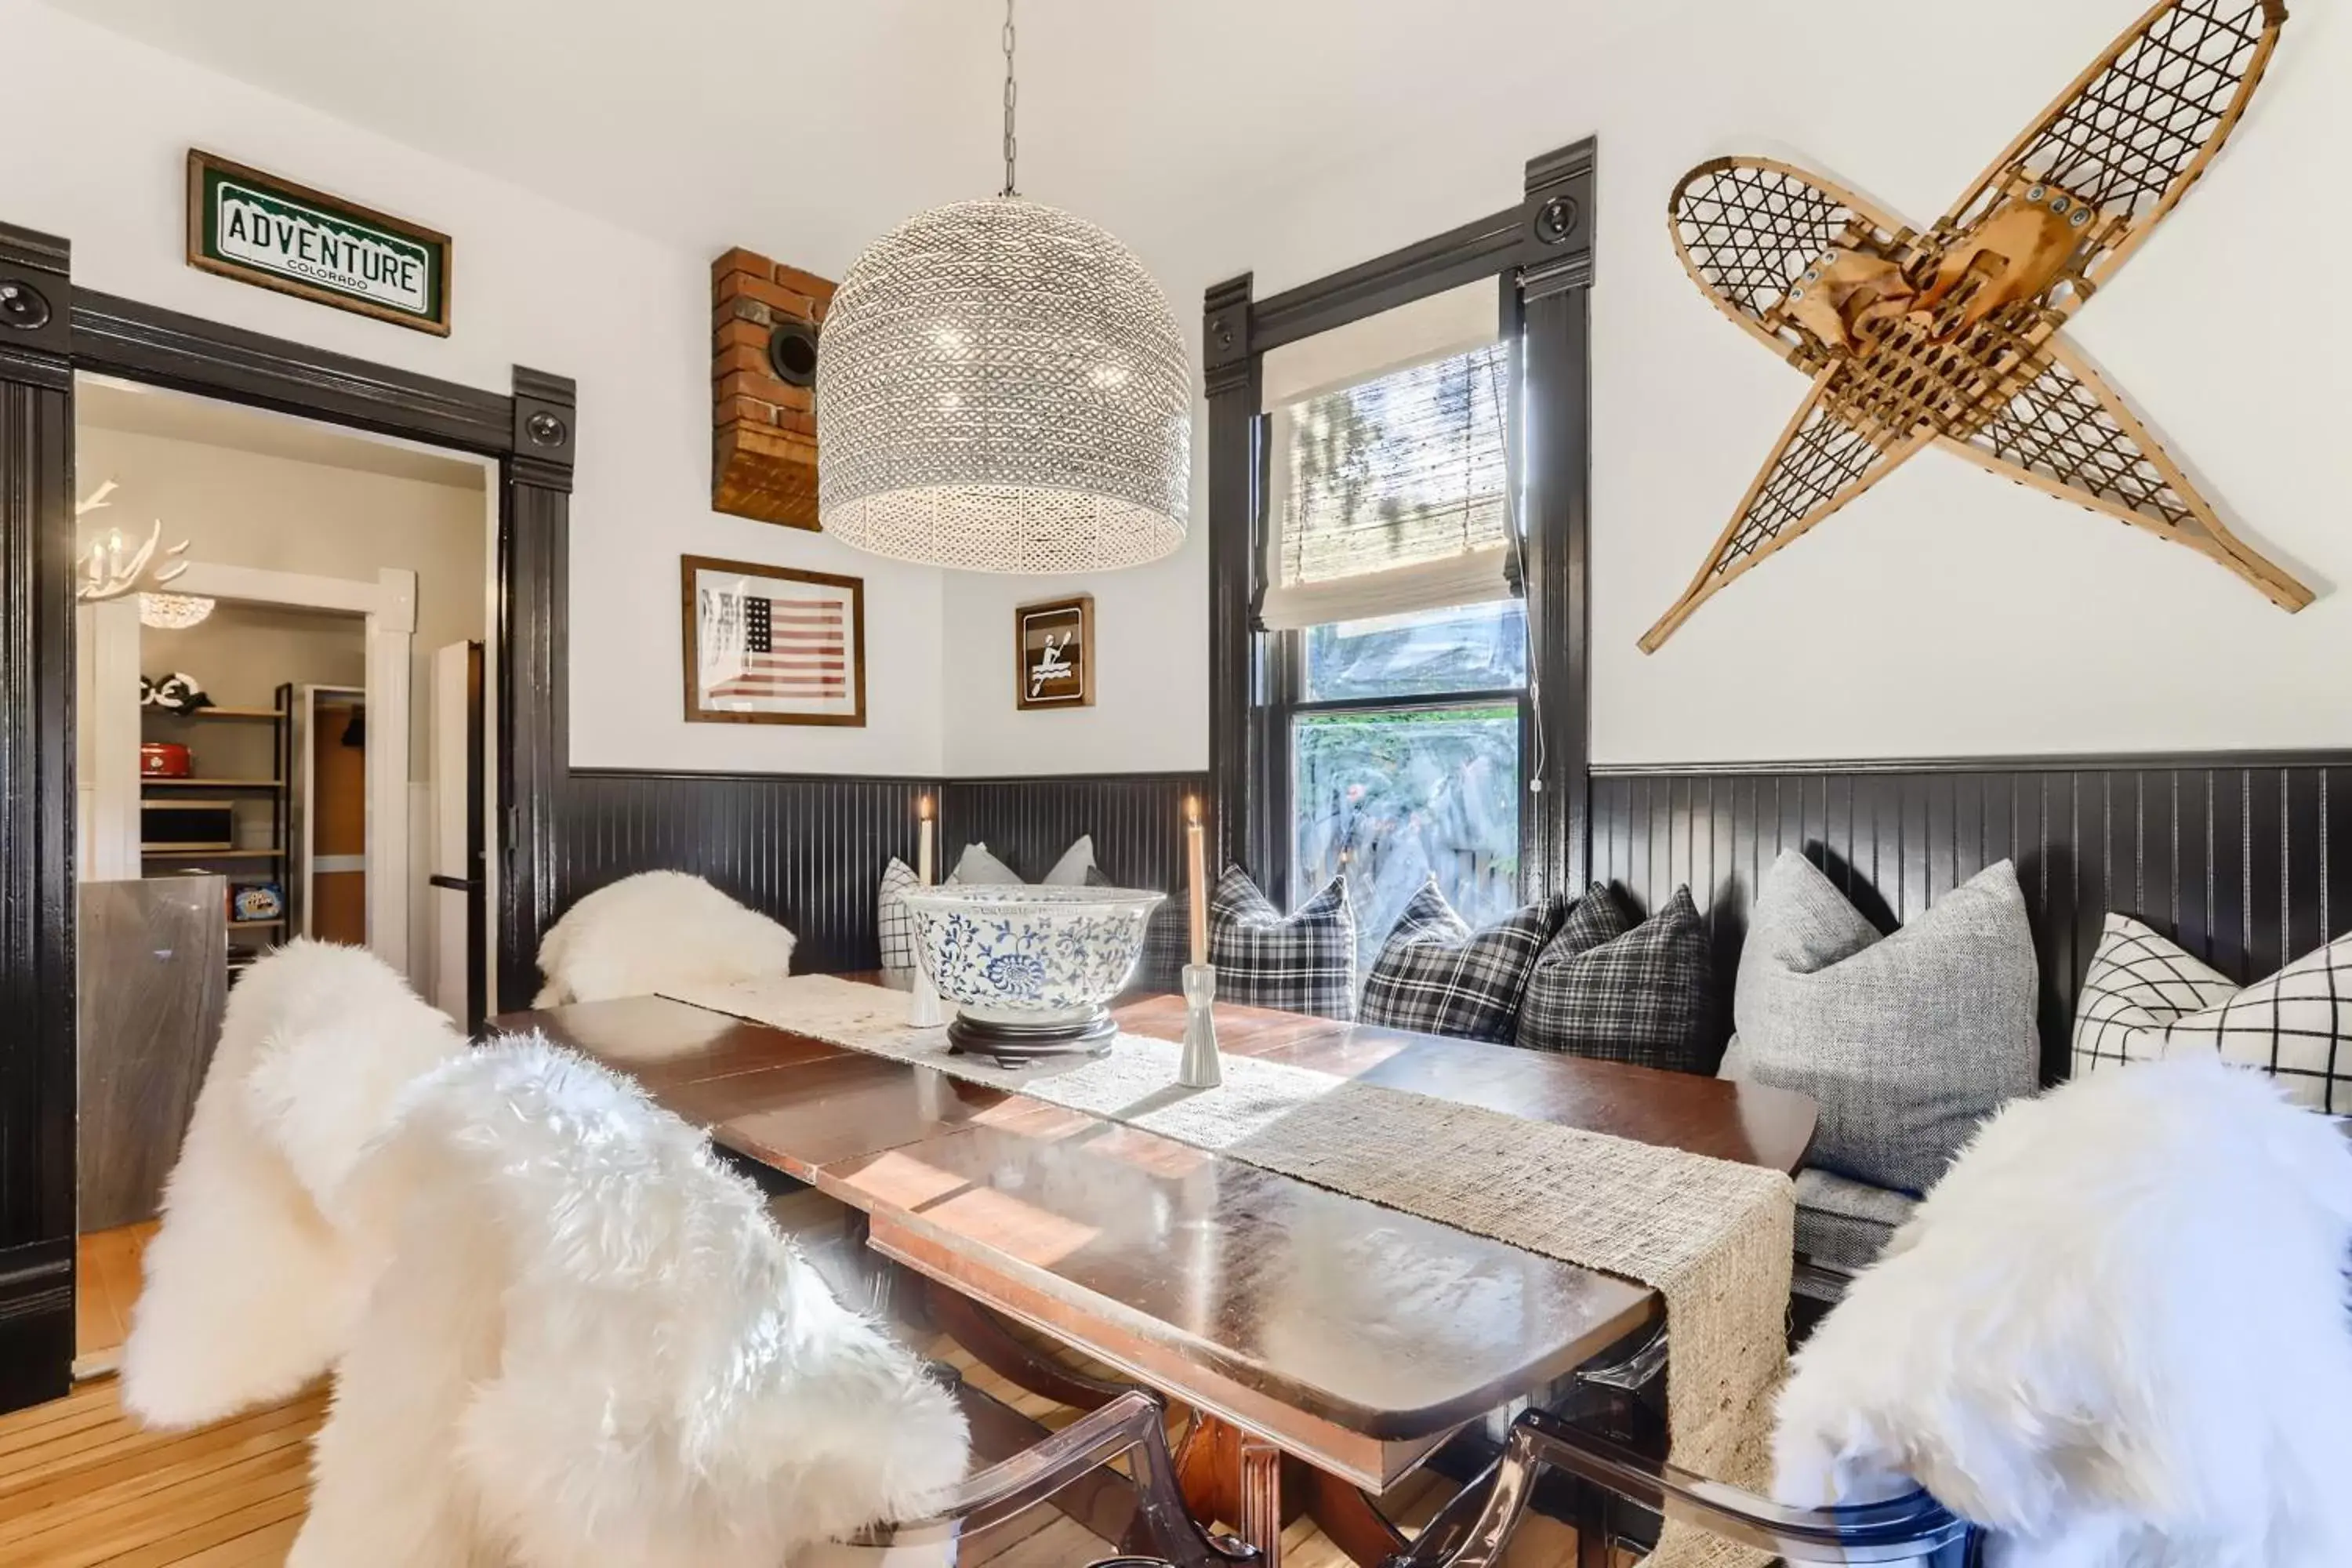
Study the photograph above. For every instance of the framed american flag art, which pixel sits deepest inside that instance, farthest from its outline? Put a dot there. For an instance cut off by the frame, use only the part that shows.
(767, 645)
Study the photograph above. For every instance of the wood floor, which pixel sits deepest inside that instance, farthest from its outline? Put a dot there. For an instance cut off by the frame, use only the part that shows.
(107, 1284)
(82, 1485)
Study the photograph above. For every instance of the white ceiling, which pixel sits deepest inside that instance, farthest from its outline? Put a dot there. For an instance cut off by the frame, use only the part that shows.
(806, 129)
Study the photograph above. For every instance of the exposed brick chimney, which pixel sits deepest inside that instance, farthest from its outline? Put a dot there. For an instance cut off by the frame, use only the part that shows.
(763, 319)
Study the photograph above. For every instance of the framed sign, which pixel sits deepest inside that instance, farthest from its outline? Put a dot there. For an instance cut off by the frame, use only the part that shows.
(767, 645)
(1054, 649)
(275, 234)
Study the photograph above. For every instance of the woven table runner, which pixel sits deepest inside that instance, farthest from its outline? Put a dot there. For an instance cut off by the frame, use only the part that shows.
(1714, 1237)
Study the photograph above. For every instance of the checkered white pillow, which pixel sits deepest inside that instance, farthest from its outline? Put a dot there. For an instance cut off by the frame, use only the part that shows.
(1303, 962)
(2145, 997)
(1640, 994)
(893, 921)
(1437, 976)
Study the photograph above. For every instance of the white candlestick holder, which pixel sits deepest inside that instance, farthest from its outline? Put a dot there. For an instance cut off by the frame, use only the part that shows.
(1201, 1068)
(924, 1014)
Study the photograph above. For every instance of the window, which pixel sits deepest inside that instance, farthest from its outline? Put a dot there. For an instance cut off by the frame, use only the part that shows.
(1391, 790)
(1386, 580)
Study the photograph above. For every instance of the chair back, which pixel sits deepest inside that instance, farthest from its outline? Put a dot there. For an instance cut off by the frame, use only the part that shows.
(2122, 1313)
(1475, 1530)
(255, 1277)
(593, 1346)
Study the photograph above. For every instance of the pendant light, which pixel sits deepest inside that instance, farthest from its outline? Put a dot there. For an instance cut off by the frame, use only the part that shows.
(1001, 386)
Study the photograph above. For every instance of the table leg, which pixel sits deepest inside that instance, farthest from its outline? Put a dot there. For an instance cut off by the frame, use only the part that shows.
(1248, 1483)
(1232, 1477)
(1261, 1484)
(1349, 1519)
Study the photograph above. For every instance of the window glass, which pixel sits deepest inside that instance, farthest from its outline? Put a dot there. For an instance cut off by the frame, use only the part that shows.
(1402, 794)
(1476, 647)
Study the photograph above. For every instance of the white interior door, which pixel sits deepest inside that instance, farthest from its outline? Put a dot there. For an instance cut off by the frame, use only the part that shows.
(107, 766)
(452, 871)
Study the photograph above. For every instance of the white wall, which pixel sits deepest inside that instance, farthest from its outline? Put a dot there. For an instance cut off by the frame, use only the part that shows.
(535, 284)
(1947, 613)
(244, 509)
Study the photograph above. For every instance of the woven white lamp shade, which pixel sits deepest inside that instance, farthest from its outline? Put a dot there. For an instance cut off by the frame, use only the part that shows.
(1001, 387)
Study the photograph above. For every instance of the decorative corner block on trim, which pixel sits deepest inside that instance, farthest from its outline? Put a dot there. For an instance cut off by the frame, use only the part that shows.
(1225, 333)
(35, 296)
(546, 428)
(1558, 212)
(764, 321)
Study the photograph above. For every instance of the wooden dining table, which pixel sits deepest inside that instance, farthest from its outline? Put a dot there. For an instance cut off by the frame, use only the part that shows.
(1327, 1344)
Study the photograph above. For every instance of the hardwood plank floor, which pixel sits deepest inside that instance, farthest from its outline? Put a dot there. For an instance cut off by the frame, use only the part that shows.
(82, 1485)
(107, 1280)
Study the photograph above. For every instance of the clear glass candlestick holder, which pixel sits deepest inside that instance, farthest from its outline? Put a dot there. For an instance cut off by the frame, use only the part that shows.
(1201, 1068)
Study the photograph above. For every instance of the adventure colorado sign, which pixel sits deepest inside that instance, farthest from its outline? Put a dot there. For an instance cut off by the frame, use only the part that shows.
(250, 225)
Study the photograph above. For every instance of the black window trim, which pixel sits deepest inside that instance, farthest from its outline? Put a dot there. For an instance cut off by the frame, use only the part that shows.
(1541, 253)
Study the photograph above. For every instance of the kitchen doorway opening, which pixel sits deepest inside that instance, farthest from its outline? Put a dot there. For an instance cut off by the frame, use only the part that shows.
(288, 739)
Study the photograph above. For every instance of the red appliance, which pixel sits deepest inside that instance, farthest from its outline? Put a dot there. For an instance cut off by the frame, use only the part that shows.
(165, 760)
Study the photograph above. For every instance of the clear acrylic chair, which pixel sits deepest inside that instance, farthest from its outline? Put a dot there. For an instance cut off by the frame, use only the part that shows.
(1138, 1522)
(1475, 1530)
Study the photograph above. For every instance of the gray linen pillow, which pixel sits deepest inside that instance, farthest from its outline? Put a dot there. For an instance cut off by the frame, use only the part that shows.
(1906, 1042)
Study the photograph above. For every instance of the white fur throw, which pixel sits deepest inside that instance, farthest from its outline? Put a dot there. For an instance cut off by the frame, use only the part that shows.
(656, 929)
(2116, 1334)
(594, 1350)
(254, 1280)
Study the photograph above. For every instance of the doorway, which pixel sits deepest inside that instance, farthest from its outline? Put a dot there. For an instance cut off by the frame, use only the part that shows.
(50, 330)
(273, 761)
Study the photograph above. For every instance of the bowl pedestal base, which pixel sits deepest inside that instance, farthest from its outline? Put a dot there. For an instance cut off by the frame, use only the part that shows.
(1013, 1044)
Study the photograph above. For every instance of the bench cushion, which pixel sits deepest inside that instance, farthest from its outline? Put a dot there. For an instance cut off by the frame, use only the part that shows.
(1845, 1224)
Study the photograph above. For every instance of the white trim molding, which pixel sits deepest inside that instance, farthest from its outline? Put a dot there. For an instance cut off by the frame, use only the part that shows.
(389, 605)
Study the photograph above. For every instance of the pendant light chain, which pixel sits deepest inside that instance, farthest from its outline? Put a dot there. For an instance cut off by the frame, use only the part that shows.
(1012, 97)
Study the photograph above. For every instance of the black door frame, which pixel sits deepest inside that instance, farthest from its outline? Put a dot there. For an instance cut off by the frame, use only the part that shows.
(1542, 249)
(49, 330)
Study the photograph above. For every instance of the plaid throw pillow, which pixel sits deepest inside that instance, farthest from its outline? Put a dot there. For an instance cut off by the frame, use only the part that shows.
(1437, 976)
(1166, 946)
(2145, 997)
(896, 925)
(1618, 992)
(1303, 963)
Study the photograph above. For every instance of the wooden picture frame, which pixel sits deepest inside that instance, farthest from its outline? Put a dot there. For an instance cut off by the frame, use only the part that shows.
(1046, 673)
(205, 253)
(744, 664)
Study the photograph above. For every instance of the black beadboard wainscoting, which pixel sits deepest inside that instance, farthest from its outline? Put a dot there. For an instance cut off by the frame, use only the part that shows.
(1137, 820)
(2244, 859)
(810, 850)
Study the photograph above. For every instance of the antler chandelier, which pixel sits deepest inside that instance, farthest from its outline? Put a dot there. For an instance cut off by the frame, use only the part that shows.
(1001, 387)
(113, 568)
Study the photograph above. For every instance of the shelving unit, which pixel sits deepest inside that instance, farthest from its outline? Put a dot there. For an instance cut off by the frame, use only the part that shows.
(247, 863)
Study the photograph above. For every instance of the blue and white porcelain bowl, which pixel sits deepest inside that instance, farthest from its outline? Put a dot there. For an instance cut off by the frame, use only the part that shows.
(1029, 958)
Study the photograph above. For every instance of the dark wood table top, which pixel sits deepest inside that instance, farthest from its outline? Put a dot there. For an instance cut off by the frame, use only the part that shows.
(1353, 1335)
